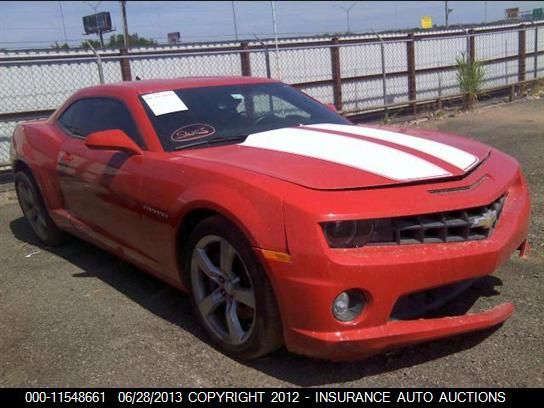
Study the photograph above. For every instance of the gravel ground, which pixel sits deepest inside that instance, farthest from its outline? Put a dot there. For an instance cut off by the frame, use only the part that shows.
(77, 316)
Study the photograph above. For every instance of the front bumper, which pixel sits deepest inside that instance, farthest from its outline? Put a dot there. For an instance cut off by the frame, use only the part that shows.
(360, 342)
(306, 287)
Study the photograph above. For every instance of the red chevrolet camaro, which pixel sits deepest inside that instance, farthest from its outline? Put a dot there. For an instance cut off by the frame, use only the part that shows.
(287, 224)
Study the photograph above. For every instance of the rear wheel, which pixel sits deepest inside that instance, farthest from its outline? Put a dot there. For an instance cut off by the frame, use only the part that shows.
(230, 292)
(34, 210)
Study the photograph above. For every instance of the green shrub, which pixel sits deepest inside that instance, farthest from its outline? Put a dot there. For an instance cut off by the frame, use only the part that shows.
(470, 77)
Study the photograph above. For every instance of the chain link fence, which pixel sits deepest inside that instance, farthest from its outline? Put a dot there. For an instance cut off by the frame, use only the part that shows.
(356, 74)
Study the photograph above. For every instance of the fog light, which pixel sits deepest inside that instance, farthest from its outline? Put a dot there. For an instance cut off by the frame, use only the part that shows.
(348, 305)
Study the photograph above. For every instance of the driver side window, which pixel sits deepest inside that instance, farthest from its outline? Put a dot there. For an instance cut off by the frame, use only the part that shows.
(96, 114)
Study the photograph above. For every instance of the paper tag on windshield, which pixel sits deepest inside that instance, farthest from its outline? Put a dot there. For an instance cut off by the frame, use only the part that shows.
(162, 103)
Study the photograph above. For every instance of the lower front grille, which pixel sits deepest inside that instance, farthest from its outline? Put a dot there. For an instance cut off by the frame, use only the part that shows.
(450, 226)
(419, 304)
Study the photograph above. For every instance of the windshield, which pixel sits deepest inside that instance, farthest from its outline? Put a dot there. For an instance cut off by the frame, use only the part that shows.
(197, 116)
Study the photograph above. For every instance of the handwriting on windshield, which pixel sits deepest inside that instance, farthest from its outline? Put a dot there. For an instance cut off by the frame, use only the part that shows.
(192, 132)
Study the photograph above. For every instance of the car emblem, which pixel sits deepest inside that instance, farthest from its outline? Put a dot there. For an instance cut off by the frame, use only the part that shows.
(486, 220)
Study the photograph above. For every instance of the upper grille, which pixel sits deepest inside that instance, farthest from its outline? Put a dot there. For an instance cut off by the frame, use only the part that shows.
(451, 226)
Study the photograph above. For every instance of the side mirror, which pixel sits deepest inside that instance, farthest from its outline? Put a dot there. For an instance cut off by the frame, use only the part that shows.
(114, 139)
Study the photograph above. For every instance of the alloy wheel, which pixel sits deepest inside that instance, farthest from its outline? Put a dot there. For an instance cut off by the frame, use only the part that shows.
(32, 208)
(223, 291)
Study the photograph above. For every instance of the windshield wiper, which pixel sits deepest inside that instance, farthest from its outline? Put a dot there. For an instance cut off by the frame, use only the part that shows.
(212, 141)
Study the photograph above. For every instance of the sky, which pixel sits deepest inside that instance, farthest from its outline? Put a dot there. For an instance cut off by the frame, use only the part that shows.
(38, 24)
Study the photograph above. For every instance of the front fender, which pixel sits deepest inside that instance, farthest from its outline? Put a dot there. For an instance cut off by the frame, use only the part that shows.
(255, 211)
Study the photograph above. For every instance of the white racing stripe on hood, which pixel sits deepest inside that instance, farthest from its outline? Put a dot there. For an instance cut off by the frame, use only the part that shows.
(348, 151)
(454, 156)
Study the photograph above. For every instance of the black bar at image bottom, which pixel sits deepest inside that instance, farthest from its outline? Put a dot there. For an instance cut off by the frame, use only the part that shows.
(175, 396)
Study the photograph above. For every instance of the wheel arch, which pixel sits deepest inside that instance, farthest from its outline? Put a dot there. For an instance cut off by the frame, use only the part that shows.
(194, 216)
(19, 165)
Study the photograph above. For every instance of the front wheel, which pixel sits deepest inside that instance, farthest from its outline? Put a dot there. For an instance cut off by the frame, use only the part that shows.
(230, 292)
(34, 210)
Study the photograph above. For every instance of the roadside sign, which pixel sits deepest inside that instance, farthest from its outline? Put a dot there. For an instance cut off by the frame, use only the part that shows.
(511, 13)
(426, 22)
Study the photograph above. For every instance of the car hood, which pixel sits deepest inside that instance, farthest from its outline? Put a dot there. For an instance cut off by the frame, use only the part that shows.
(334, 157)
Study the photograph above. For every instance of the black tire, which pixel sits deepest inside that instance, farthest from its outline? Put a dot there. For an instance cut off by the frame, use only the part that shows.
(260, 330)
(35, 211)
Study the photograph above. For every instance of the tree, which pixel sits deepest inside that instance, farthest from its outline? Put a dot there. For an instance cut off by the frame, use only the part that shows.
(59, 47)
(94, 43)
(118, 41)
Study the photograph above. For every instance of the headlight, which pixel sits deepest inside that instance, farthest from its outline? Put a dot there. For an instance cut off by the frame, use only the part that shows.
(348, 234)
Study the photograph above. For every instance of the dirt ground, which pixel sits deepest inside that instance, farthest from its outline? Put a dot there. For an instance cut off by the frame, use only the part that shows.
(77, 316)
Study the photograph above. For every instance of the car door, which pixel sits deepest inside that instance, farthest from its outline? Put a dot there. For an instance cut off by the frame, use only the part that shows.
(100, 187)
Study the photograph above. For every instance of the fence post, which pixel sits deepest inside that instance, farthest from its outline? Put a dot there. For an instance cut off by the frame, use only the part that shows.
(384, 79)
(266, 56)
(521, 55)
(471, 46)
(336, 74)
(267, 60)
(439, 101)
(244, 59)
(535, 75)
(411, 59)
(126, 73)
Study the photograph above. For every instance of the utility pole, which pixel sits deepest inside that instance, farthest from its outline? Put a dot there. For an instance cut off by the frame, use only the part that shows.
(125, 62)
(63, 25)
(276, 39)
(348, 11)
(396, 15)
(234, 21)
(125, 24)
(447, 12)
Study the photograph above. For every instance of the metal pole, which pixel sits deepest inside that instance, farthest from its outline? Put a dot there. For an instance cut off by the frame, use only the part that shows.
(267, 60)
(63, 25)
(98, 63)
(485, 11)
(535, 75)
(348, 11)
(446, 11)
(506, 62)
(468, 40)
(234, 21)
(384, 77)
(125, 24)
(266, 56)
(98, 26)
(99, 32)
(276, 39)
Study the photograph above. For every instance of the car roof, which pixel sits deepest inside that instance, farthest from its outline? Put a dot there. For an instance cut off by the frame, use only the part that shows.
(159, 85)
